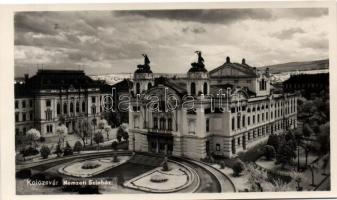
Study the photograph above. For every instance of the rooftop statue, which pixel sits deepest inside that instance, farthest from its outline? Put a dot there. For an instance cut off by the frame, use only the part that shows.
(145, 68)
(198, 66)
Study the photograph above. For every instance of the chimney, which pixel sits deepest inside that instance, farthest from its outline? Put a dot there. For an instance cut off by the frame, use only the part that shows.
(243, 61)
(26, 77)
(228, 60)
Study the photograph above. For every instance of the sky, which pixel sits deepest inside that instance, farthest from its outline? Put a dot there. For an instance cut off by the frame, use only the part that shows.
(106, 42)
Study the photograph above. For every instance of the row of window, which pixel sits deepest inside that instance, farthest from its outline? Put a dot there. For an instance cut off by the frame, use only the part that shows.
(23, 103)
(164, 124)
(24, 116)
(261, 117)
(193, 88)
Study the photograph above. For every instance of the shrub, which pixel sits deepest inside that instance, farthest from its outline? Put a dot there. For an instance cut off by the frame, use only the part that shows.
(98, 138)
(67, 150)
(58, 150)
(269, 152)
(30, 151)
(114, 145)
(24, 173)
(45, 151)
(78, 147)
(90, 165)
(158, 178)
(42, 139)
(238, 167)
(165, 167)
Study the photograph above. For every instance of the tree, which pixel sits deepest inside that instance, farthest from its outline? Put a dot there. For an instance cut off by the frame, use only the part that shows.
(94, 123)
(307, 130)
(238, 167)
(298, 178)
(107, 129)
(269, 152)
(33, 136)
(98, 138)
(324, 138)
(285, 155)
(313, 167)
(68, 150)
(256, 178)
(78, 147)
(82, 131)
(61, 131)
(44, 151)
(122, 133)
(114, 145)
(273, 140)
(58, 150)
(102, 124)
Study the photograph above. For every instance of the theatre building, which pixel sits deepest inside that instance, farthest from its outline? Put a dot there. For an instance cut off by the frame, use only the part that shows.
(222, 111)
(42, 100)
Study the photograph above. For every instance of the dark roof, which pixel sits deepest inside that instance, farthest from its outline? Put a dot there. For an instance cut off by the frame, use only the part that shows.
(174, 84)
(56, 79)
(123, 86)
(197, 67)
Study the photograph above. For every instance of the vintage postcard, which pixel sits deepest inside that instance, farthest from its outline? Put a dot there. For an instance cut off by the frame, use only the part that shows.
(169, 101)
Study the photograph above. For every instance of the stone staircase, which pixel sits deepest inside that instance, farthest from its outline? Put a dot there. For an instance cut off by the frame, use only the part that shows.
(147, 159)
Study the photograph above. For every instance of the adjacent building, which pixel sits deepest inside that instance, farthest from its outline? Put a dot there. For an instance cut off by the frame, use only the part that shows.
(51, 96)
(222, 111)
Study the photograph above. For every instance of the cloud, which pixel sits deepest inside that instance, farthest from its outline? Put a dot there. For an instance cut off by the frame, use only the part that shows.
(204, 16)
(287, 33)
(113, 41)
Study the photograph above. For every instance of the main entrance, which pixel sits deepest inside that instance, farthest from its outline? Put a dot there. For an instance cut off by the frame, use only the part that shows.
(160, 143)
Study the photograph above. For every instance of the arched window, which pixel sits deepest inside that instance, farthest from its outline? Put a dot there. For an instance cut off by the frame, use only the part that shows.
(162, 123)
(192, 88)
(83, 106)
(149, 85)
(137, 88)
(238, 122)
(233, 123)
(65, 108)
(71, 107)
(58, 108)
(77, 107)
(205, 88)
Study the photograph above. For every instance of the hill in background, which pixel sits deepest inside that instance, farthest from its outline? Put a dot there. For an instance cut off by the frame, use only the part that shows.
(298, 66)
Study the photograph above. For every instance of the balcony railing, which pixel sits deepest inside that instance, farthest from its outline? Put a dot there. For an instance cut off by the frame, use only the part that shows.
(160, 131)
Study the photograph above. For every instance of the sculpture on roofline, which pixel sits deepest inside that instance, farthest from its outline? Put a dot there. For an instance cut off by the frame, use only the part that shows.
(145, 68)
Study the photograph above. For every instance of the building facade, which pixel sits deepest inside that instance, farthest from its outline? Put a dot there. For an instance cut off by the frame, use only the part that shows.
(52, 96)
(222, 112)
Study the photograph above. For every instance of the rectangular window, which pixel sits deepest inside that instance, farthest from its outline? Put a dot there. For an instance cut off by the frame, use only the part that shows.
(217, 147)
(48, 103)
(16, 117)
(155, 123)
(16, 104)
(31, 117)
(31, 103)
(93, 99)
(238, 122)
(23, 104)
(23, 116)
(207, 125)
(233, 123)
(253, 119)
(243, 121)
(248, 120)
(191, 126)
